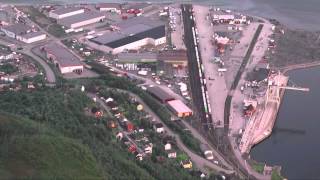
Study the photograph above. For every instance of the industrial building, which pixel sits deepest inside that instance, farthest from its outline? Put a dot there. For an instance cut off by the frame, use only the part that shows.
(64, 12)
(23, 33)
(135, 58)
(132, 34)
(136, 61)
(179, 108)
(63, 59)
(159, 94)
(178, 58)
(109, 7)
(76, 21)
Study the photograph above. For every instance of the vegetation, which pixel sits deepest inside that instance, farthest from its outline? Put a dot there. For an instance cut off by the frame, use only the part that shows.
(276, 176)
(295, 47)
(8, 68)
(259, 167)
(56, 30)
(163, 113)
(31, 150)
(62, 110)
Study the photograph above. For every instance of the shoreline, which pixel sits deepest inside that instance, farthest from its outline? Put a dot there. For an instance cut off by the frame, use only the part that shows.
(288, 68)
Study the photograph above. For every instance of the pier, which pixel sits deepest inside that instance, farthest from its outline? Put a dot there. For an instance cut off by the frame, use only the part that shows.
(261, 124)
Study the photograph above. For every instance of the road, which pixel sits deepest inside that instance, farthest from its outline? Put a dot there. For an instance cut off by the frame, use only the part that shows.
(50, 76)
(198, 160)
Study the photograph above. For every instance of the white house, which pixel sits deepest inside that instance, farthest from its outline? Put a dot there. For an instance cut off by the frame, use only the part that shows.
(159, 128)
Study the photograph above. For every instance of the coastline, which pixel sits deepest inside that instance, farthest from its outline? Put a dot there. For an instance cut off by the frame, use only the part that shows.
(288, 68)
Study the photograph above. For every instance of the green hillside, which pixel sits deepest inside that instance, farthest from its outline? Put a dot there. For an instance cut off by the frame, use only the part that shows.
(62, 112)
(31, 151)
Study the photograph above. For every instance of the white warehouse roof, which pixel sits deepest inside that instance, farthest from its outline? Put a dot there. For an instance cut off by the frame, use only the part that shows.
(179, 106)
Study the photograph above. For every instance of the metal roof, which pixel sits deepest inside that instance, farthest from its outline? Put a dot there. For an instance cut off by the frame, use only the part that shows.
(137, 57)
(159, 93)
(68, 21)
(18, 28)
(173, 55)
(179, 106)
(64, 10)
(33, 34)
(118, 39)
(63, 56)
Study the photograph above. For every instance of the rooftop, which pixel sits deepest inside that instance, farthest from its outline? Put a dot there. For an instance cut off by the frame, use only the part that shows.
(137, 57)
(63, 55)
(136, 5)
(179, 106)
(159, 93)
(68, 21)
(132, 30)
(64, 10)
(18, 28)
(173, 55)
(109, 5)
(33, 34)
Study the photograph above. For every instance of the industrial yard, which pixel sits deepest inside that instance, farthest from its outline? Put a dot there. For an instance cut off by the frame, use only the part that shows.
(178, 75)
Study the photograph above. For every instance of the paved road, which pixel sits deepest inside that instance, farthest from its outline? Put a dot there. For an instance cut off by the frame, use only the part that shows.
(50, 76)
(199, 161)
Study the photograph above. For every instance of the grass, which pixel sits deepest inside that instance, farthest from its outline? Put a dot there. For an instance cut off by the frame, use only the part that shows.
(31, 150)
(276, 176)
(259, 167)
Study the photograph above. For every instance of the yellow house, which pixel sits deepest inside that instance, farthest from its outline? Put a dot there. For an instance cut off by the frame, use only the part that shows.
(186, 164)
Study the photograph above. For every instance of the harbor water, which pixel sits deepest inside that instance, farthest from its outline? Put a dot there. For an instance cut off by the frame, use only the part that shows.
(294, 142)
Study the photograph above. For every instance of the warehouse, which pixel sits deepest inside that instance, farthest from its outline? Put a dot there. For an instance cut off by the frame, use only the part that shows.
(64, 12)
(32, 37)
(177, 58)
(159, 94)
(16, 30)
(77, 21)
(179, 108)
(109, 7)
(137, 61)
(63, 59)
(23, 33)
(132, 34)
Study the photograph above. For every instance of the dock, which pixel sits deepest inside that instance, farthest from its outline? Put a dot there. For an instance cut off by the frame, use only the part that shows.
(260, 125)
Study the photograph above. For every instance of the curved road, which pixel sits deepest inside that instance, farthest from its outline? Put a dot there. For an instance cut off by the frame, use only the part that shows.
(50, 76)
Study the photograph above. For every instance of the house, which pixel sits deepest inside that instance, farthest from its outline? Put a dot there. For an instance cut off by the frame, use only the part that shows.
(139, 157)
(132, 148)
(167, 147)
(186, 164)
(172, 154)
(148, 148)
(64, 12)
(119, 136)
(129, 126)
(179, 108)
(111, 124)
(158, 127)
